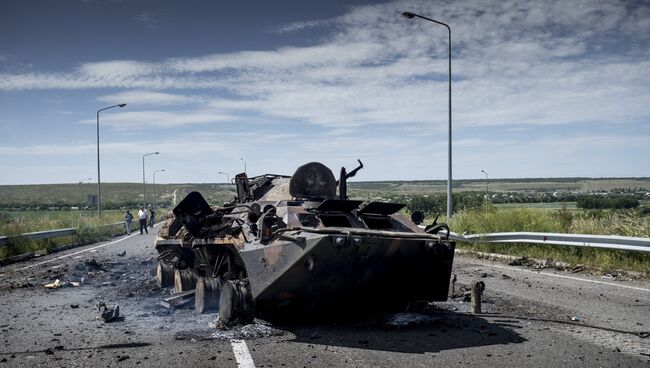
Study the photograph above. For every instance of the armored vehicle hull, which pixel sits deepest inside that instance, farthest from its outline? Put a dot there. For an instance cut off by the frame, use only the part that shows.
(275, 253)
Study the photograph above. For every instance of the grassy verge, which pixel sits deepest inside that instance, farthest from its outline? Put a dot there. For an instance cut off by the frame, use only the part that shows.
(625, 223)
(90, 229)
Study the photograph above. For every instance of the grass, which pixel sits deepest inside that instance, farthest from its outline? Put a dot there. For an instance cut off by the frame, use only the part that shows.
(116, 195)
(549, 205)
(625, 223)
(90, 229)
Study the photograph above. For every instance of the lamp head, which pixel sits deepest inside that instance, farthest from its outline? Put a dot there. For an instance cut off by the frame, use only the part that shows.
(121, 105)
(156, 153)
(408, 15)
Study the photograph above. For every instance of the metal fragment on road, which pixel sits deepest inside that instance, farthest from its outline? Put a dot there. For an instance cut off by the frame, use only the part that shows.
(109, 314)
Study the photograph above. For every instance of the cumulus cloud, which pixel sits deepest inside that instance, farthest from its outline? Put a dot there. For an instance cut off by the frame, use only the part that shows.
(160, 119)
(298, 26)
(150, 98)
(515, 63)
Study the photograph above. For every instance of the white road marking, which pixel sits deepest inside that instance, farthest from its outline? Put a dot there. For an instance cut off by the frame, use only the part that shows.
(93, 249)
(569, 277)
(242, 355)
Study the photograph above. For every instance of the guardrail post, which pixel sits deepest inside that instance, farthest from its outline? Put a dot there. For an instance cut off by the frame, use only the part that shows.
(477, 290)
(452, 286)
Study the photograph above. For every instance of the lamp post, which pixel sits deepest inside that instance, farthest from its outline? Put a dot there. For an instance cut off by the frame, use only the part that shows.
(99, 182)
(411, 15)
(81, 194)
(486, 184)
(144, 188)
(242, 159)
(154, 187)
(227, 176)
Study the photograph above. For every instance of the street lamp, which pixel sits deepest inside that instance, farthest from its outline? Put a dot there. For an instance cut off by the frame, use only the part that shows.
(99, 182)
(242, 159)
(227, 176)
(81, 194)
(486, 184)
(144, 188)
(411, 15)
(154, 186)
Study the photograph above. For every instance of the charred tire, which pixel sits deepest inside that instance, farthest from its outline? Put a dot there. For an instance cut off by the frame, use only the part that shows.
(236, 305)
(184, 280)
(164, 275)
(207, 294)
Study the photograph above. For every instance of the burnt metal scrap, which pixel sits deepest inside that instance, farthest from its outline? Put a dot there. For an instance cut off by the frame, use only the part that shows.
(293, 245)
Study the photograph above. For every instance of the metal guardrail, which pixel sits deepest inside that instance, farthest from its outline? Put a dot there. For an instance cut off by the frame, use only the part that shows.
(576, 240)
(48, 234)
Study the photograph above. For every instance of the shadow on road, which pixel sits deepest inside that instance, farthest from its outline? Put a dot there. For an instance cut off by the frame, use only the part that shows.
(441, 330)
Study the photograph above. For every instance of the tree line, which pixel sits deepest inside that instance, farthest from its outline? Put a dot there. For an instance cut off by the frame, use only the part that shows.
(601, 202)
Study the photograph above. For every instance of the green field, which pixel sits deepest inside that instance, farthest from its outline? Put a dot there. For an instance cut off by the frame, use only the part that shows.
(129, 195)
(27, 208)
(548, 206)
(90, 228)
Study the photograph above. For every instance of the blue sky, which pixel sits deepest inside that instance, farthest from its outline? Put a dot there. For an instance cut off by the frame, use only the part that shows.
(540, 89)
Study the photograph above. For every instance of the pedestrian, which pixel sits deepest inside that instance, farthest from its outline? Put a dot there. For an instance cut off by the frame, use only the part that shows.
(142, 216)
(128, 219)
(151, 217)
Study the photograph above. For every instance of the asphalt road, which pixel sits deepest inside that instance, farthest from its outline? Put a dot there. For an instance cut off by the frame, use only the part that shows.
(527, 321)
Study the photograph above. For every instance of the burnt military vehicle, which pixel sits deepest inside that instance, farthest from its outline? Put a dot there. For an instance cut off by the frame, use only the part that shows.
(289, 245)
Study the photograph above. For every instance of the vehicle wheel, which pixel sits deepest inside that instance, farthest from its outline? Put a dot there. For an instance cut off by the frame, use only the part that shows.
(184, 280)
(207, 294)
(164, 275)
(236, 303)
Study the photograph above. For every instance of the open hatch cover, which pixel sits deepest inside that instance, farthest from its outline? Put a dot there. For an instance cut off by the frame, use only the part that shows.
(338, 205)
(380, 208)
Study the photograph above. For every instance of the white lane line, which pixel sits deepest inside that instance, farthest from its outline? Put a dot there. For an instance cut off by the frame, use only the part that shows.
(569, 277)
(242, 355)
(79, 252)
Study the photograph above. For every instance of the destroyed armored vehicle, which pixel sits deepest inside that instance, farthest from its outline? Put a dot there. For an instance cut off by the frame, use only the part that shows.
(288, 245)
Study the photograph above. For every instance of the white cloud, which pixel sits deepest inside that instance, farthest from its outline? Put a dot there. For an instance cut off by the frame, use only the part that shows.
(160, 119)
(298, 26)
(150, 98)
(515, 63)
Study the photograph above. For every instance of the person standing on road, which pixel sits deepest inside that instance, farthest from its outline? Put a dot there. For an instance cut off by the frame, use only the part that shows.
(128, 219)
(151, 217)
(142, 216)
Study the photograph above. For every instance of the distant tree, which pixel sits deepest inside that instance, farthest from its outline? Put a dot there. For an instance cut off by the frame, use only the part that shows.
(601, 202)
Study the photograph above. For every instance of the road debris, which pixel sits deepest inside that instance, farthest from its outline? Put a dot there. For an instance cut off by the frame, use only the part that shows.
(409, 319)
(258, 329)
(178, 300)
(54, 285)
(109, 314)
(452, 286)
(576, 319)
(578, 268)
(477, 290)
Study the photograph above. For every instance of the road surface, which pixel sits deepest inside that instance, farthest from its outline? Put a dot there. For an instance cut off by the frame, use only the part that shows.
(527, 321)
